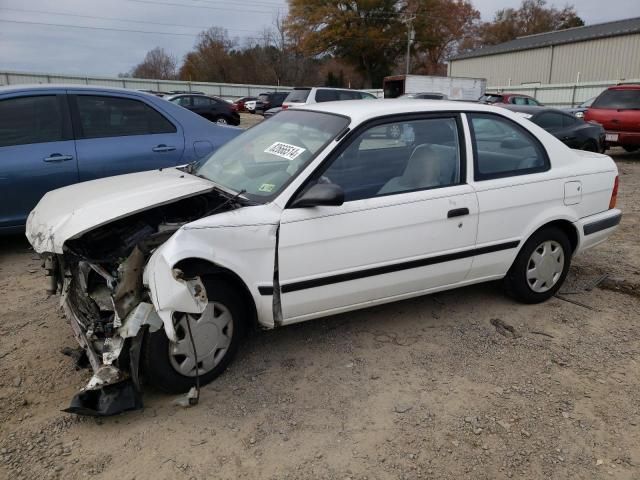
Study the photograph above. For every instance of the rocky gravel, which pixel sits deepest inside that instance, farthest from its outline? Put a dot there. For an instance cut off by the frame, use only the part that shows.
(464, 384)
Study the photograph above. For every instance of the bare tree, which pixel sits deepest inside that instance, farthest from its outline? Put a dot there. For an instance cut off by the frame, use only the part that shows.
(157, 64)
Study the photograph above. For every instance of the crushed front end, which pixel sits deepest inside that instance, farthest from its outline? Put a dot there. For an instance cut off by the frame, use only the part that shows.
(99, 277)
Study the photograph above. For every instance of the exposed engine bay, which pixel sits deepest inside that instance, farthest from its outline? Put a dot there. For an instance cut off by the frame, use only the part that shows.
(100, 279)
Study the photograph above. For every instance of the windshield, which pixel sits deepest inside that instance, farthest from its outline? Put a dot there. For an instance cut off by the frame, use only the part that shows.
(264, 159)
(618, 99)
(298, 95)
(490, 98)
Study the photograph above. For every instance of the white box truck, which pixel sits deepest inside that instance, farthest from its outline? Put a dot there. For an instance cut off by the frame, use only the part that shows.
(455, 88)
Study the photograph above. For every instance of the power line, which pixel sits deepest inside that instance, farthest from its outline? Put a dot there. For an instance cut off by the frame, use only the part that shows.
(259, 3)
(98, 28)
(183, 5)
(94, 17)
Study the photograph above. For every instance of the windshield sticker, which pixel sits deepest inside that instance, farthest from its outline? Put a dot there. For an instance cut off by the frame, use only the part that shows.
(284, 150)
(266, 187)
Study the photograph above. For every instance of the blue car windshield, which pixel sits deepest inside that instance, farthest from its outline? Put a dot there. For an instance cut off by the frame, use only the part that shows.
(264, 159)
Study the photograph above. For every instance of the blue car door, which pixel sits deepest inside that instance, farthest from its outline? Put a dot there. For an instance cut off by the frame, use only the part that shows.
(117, 134)
(37, 152)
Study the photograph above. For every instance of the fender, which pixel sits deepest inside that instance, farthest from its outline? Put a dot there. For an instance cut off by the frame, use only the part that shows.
(171, 291)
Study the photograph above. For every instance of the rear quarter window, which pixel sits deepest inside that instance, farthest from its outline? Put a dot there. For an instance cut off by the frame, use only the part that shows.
(298, 96)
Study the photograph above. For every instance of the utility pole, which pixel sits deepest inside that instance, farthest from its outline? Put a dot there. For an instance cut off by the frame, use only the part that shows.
(411, 34)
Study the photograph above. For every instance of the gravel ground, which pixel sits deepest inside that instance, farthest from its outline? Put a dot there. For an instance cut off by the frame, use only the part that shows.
(425, 388)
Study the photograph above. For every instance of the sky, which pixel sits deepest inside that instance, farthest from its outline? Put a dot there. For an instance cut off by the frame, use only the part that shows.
(116, 40)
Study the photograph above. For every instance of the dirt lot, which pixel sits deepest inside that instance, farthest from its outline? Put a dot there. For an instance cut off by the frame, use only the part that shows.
(426, 388)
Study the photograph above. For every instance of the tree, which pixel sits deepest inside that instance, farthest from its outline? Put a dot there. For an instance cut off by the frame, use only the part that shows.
(157, 64)
(532, 17)
(440, 28)
(364, 33)
(210, 61)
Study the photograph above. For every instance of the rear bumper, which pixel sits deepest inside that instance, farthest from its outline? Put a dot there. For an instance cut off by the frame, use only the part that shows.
(595, 229)
(624, 138)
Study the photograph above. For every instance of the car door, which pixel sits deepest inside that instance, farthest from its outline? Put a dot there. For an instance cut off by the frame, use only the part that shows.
(514, 185)
(121, 134)
(408, 223)
(37, 151)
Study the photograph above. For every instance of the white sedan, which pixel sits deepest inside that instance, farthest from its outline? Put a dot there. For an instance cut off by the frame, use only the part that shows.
(321, 210)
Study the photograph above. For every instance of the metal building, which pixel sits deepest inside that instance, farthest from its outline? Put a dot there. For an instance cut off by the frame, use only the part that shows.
(606, 51)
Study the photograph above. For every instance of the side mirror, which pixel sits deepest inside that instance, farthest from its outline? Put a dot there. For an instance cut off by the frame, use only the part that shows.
(321, 194)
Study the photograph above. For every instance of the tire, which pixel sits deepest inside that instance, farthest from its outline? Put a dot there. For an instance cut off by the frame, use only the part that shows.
(221, 120)
(630, 148)
(162, 360)
(536, 279)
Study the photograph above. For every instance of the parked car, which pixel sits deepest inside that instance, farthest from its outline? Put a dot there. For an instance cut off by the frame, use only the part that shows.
(52, 136)
(239, 103)
(153, 92)
(617, 109)
(270, 100)
(212, 108)
(426, 96)
(350, 217)
(187, 92)
(272, 111)
(310, 95)
(580, 109)
(513, 98)
(570, 130)
(250, 105)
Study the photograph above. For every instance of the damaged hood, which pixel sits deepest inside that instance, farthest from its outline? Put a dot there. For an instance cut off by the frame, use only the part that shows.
(71, 211)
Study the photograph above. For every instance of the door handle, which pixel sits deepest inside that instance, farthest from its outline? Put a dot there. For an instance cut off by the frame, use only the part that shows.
(57, 157)
(163, 148)
(457, 212)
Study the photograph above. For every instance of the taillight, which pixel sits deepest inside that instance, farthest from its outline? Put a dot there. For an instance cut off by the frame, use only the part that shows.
(284, 107)
(614, 194)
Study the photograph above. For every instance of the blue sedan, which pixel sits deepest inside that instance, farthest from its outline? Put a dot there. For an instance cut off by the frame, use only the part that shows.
(54, 135)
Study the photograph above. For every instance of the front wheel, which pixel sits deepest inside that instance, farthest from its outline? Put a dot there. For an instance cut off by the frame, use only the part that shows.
(172, 366)
(541, 266)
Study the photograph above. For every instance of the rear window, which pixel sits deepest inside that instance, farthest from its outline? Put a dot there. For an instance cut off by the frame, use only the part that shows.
(490, 98)
(618, 99)
(298, 95)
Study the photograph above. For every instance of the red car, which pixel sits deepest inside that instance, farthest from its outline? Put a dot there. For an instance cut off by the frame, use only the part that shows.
(617, 109)
(512, 98)
(238, 105)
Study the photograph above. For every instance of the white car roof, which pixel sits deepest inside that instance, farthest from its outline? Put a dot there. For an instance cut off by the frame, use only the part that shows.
(361, 110)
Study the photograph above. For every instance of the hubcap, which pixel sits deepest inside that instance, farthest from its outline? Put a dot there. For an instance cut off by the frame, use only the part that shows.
(545, 266)
(212, 332)
(221, 121)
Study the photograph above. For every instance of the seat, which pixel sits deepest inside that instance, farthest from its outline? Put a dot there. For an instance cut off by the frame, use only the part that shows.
(429, 166)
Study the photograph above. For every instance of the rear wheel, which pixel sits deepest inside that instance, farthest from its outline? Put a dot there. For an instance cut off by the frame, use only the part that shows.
(221, 121)
(172, 366)
(541, 266)
(631, 148)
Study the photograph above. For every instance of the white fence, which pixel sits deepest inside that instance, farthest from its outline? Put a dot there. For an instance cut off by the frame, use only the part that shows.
(229, 91)
(224, 90)
(563, 94)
